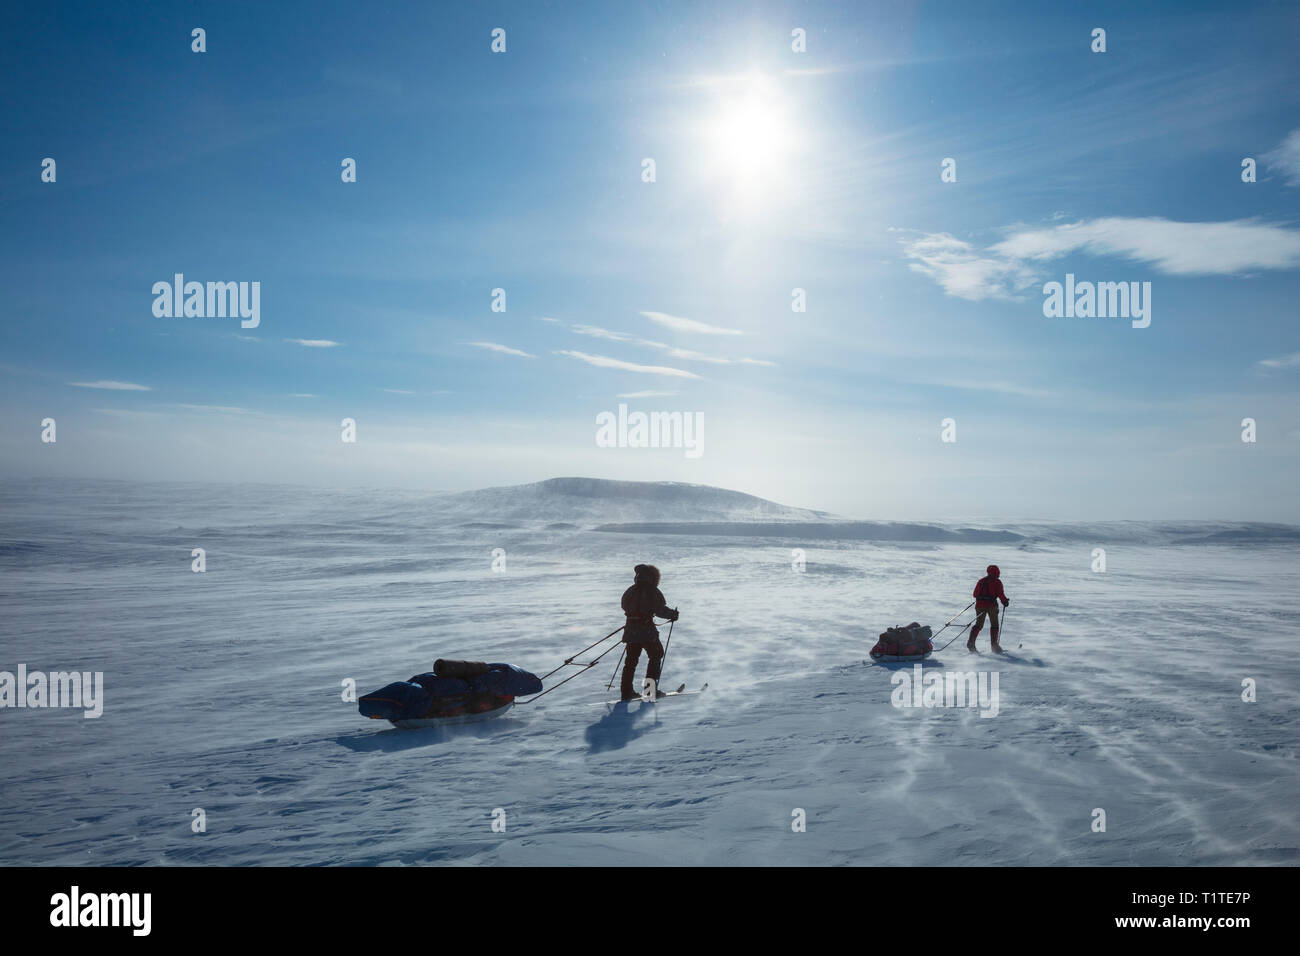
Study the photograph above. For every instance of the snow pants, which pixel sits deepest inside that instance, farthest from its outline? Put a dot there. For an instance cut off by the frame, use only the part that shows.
(655, 656)
(980, 614)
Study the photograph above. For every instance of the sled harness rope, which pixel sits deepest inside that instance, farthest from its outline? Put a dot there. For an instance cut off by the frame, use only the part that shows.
(949, 624)
(1002, 620)
(584, 665)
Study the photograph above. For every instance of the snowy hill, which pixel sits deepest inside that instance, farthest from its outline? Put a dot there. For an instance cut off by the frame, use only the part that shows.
(678, 508)
(823, 531)
(603, 500)
(668, 508)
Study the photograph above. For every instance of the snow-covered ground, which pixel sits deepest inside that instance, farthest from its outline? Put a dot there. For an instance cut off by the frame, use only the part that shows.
(223, 689)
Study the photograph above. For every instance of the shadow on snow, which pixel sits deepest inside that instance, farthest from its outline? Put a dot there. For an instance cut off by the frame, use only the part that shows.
(619, 727)
(396, 738)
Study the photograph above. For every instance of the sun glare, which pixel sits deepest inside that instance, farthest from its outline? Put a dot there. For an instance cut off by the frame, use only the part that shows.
(749, 139)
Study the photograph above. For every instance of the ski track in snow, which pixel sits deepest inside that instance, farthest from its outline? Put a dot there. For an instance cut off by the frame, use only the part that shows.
(223, 692)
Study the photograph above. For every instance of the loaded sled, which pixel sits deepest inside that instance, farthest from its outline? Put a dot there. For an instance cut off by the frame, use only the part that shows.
(911, 642)
(454, 692)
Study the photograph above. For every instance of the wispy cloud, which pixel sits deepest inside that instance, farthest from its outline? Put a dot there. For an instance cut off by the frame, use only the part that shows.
(314, 343)
(1174, 248)
(302, 395)
(113, 386)
(1286, 158)
(976, 385)
(646, 394)
(502, 349)
(686, 354)
(602, 361)
(599, 333)
(134, 413)
(1282, 361)
(692, 356)
(397, 391)
(223, 409)
(680, 324)
(965, 271)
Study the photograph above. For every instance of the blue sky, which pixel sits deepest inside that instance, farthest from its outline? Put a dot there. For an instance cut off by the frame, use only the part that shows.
(774, 170)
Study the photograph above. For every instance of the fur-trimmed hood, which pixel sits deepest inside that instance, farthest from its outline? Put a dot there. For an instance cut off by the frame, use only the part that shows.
(646, 575)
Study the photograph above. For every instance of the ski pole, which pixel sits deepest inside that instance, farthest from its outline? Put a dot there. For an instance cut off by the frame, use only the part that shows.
(1002, 624)
(616, 667)
(666, 643)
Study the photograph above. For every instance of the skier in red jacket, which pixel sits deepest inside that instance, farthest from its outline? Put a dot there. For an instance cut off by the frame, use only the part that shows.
(988, 591)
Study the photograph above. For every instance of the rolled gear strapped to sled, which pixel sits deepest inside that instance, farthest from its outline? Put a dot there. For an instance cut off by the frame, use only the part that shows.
(453, 692)
(911, 642)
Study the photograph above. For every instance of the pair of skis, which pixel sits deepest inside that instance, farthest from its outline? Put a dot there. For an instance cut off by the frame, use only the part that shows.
(681, 691)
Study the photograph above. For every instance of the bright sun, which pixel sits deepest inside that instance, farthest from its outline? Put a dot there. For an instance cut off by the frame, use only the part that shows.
(749, 140)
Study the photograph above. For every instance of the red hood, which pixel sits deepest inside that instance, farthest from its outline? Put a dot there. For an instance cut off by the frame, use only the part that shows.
(992, 571)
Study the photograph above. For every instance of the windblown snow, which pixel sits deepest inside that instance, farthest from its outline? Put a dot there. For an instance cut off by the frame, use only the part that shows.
(1126, 691)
